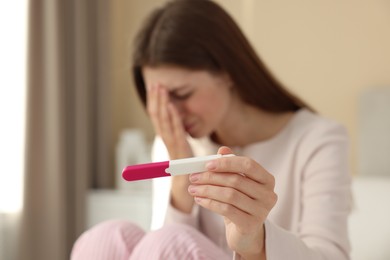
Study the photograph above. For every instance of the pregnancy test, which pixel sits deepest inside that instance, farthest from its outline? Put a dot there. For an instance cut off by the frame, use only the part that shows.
(168, 168)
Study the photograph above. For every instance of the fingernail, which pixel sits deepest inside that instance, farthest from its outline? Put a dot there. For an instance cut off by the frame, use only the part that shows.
(191, 189)
(194, 177)
(211, 165)
(197, 199)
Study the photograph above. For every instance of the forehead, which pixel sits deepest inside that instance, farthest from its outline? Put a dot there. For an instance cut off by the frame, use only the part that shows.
(173, 77)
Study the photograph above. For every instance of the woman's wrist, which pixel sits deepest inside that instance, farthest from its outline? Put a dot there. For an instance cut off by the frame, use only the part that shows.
(259, 256)
(180, 199)
(258, 248)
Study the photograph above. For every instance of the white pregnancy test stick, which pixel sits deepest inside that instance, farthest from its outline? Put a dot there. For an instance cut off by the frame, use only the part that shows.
(168, 168)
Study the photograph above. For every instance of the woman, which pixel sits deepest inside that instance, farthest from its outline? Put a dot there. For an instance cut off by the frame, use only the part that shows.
(286, 195)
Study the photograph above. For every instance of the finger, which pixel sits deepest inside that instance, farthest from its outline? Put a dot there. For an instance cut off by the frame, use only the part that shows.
(243, 220)
(164, 117)
(151, 100)
(152, 107)
(224, 150)
(263, 194)
(177, 123)
(243, 165)
(236, 181)
(227, 195)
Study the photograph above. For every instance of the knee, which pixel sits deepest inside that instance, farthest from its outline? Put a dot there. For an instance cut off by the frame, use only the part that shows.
(177, 241)
(113, 229)
(177, 229)
(171, 236)
(111, 235)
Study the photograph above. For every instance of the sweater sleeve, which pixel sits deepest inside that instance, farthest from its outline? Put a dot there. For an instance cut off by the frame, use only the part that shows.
(325, 201)
(163, 211)
(175, 216)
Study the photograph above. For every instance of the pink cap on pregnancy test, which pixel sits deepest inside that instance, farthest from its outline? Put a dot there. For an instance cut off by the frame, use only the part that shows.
(168, 168)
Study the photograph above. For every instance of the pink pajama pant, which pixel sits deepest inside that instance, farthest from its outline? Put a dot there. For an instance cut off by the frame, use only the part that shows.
(122, 240)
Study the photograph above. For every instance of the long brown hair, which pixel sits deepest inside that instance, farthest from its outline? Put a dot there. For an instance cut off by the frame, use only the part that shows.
(200, 35)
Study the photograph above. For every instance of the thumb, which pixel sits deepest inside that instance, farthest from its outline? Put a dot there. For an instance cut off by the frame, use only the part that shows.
(224, 150)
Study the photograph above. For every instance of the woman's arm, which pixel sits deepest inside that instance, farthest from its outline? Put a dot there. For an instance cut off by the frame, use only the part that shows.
(168, 126)
(242, 191)
(325, 202)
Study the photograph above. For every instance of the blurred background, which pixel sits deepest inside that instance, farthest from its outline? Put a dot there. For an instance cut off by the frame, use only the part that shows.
(71, 118)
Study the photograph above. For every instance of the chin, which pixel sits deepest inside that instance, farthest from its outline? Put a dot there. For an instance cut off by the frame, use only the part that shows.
(198, 134)
(195, 135)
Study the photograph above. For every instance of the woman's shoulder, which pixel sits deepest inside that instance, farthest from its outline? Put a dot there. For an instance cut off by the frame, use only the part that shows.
(314, 129)
(308, 122)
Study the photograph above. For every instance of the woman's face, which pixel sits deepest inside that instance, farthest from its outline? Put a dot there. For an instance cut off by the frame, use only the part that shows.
(201, 98)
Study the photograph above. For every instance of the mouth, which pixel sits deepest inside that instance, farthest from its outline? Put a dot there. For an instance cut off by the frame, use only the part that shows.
(188, 127)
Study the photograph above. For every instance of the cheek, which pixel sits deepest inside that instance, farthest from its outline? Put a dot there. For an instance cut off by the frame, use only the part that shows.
(208, 107)
(195, 107)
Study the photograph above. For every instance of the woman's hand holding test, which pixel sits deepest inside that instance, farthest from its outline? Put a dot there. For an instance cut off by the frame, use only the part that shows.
(242, 191)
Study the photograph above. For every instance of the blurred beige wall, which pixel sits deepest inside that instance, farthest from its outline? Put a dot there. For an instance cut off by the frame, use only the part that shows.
(327, 52)
(126, 17)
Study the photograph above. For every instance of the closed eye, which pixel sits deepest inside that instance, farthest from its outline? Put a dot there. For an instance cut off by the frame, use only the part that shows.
(180, 96)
